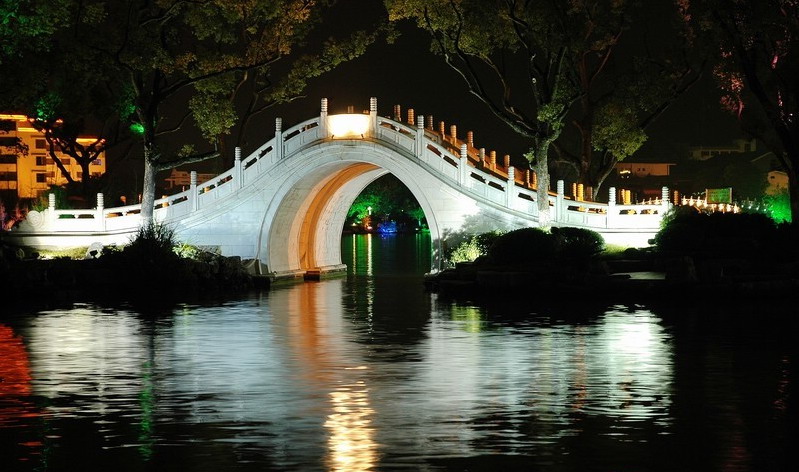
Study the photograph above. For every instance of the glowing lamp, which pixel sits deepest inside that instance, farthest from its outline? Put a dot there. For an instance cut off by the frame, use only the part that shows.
(348, 126)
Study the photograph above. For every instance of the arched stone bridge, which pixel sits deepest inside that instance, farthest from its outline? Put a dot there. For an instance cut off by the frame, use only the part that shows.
(284, 206)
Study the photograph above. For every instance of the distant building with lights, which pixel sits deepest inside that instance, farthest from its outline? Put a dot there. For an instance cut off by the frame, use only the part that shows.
(738, 146)
(28, 176)
(180, 180)
(643, 169)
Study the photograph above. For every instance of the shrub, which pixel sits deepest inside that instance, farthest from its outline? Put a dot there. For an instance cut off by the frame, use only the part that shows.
(466, 251)
(473, 247)
(578, 243)
(523, 247)
(717, 233)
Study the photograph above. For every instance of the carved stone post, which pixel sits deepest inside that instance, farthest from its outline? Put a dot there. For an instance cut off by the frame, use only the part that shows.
(238, 169)
(419, 143)
(193, 196)
(373, 117)
(510, 187)
(100, 217)
(323, 134)
(279, 138)
(463, 164)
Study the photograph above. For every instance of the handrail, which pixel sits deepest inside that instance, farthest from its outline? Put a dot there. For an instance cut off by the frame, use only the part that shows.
(466, 168)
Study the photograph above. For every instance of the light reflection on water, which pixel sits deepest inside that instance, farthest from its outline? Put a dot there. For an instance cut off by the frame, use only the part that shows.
(370, 372)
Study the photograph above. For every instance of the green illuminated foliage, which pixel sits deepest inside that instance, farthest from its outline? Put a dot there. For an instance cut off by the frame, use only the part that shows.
(778, 206)
(137, 129)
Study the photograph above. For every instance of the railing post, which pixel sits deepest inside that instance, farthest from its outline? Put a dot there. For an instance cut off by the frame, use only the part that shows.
(51, 210)
(419, 143)
(373, 117)
(100, 207)
(559, 201)
(279, 138)
(463, 164)
(510, 187)
(610, 217)
(323, 120)
(193, 196)
(238, 169)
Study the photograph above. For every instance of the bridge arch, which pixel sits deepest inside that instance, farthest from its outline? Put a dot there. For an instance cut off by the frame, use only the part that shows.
(302, 224)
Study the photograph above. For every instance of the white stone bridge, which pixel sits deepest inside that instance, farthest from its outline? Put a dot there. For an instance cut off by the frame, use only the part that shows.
(283, 207)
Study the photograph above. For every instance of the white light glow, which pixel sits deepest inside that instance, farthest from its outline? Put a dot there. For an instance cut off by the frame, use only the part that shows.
(348, 126)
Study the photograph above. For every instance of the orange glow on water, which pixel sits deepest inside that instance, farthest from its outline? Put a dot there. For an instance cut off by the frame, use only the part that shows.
(15, 376)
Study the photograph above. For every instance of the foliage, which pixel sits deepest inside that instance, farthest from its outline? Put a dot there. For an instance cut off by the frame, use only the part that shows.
(149, 70)
(473, 247)
(9, 219)
(387, 199)
(756, 70)
(554, 72)
(578, 244)
(778, 206)
(526, 247)
(186, 251)
(741, 234)
(153, 241)
(61, 199)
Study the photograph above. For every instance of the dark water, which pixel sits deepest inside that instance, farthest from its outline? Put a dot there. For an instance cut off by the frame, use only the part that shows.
(369, 372)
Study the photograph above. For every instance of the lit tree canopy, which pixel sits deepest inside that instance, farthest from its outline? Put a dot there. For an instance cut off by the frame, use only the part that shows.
(176, 65)
(547, 69)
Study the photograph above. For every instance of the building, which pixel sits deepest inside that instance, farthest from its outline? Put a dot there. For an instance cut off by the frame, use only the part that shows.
(179, 180)
(29, 175)
(738, 146)
(643, 169)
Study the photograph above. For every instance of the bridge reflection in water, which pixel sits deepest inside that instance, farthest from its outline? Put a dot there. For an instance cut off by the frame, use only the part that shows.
(369, 372)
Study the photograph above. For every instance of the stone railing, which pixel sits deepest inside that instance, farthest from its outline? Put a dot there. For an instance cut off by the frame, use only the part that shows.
(456, 162)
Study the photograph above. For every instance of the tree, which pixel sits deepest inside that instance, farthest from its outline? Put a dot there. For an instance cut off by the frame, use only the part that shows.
(176, 67)
(548, 69)
(756, 42)
(625, 85)
(515, 58)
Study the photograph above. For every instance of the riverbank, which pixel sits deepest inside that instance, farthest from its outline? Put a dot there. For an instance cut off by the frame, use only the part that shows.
(28, 276)
(647, 277)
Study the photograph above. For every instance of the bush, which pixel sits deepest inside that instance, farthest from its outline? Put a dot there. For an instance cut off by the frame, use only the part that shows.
(473, 247)
(523, 247)
(719, 233)
(578, 243)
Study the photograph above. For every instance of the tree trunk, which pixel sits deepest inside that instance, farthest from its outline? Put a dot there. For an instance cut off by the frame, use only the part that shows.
(541, 168)
(148, 191)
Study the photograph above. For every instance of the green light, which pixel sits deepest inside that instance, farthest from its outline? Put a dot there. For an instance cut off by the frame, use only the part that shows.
(779, 206)
(137, 129)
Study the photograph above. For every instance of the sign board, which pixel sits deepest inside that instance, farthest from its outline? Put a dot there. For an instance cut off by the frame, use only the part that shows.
(718, 195)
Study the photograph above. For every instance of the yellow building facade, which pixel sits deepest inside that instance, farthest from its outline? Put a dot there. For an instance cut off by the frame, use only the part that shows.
(32, 174)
